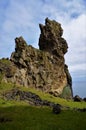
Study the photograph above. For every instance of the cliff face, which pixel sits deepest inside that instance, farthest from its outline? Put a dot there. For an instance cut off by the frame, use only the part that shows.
(42, 68)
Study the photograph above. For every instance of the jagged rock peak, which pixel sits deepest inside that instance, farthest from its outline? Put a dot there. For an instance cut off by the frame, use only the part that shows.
(51, 38)
(43, 68)
(20, 43)
(52, 24)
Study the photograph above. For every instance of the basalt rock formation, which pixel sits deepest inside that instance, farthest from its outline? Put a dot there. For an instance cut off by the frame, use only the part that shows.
(42, 68)
(31, 98)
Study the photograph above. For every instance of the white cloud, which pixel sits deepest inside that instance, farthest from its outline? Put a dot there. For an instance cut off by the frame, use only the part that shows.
(78, 67)
(19, 19)
(75, 33)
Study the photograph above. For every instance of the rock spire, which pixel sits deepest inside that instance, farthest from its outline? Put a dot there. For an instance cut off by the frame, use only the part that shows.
(42, 68)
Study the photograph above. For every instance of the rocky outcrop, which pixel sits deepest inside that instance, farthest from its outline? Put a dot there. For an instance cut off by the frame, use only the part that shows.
(31, 98)
(42, 68)
(84, 99)
(51, 38)
(77, 98)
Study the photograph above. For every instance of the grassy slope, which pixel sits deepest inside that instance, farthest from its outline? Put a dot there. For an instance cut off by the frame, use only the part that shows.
(26, 117)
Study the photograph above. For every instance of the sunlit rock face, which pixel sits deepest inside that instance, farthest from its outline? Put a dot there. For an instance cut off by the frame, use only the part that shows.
(42, 68)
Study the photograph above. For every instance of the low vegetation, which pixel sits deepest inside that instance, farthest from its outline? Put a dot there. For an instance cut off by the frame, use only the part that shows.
(19, 115)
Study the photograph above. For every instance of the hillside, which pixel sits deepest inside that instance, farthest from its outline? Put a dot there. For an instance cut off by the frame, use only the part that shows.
(18, 114)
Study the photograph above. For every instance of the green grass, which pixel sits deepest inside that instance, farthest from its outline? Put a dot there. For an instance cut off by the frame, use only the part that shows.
(5, 61)
(21, 116)
(6, 86)
(63, 102)
(24, 117)
(70, 103)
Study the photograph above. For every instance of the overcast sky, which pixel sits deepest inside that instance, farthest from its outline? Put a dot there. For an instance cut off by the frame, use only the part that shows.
(22, 18)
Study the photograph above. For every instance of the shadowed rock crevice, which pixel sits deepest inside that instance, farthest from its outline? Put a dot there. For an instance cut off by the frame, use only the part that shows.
(42, 68)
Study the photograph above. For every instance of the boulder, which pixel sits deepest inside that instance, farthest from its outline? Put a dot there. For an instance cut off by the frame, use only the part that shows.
(77, 99)
(84, 99)
(82, 110)
(57, 109)
(32, 98)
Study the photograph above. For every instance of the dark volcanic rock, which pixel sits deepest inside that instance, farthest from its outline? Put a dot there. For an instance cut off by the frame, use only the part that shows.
(56, 109)
(77, 99)
(50, 38)
(4, 120)
(84, 99)
(82, 110)
(7, 68)
(42, 69)
(33, 99)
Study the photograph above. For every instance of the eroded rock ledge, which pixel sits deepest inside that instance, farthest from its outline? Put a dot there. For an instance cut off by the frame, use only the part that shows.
(42, 68)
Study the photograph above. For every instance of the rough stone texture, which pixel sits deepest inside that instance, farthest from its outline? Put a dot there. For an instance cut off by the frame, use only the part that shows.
(77, 98)
(57, 109)
(42, 68)
(32, 98)
(7, 68)
(50, 38)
